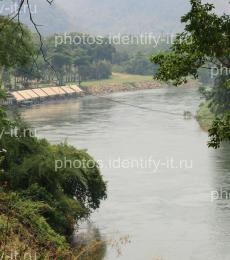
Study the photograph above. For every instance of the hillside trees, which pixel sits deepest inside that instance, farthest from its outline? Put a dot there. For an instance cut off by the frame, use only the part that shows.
(37, 197)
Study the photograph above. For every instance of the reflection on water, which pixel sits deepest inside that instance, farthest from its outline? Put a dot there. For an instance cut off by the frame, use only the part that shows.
(89, 243)
(168, 213)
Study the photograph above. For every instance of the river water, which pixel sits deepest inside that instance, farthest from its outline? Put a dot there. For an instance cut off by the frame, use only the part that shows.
(160, 173)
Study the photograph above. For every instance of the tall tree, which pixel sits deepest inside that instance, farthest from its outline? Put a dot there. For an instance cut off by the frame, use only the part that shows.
(205, 40)
(16, 46)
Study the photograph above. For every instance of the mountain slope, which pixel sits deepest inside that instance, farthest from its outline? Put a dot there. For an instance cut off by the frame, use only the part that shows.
(110, 16)
(49, 18)
(125, 16)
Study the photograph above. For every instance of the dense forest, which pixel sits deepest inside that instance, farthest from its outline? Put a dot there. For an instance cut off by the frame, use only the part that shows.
(83, 60)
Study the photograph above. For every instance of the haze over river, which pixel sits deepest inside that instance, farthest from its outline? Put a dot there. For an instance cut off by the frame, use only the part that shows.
(159, 169)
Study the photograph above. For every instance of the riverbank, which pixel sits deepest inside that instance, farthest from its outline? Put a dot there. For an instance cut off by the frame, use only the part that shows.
(120, 82)
(204, 116)
(25, 234)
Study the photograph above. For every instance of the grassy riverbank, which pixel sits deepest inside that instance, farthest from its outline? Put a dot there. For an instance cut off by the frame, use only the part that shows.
(204, 116)
(120, 82)
(40, 201)
(119, 78)
(25, 232)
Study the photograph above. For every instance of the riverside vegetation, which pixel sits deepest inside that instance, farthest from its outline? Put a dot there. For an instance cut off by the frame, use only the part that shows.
(76, 62)
(120, 82)
(204, 43)
(39, 207)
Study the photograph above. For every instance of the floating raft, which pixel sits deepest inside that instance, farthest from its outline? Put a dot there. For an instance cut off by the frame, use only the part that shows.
(38, 95)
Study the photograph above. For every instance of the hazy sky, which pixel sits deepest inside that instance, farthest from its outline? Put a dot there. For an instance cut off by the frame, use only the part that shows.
(128, 16)
(111, 16)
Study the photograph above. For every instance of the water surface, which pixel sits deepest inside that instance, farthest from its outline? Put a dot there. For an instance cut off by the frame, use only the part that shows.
(167, 212)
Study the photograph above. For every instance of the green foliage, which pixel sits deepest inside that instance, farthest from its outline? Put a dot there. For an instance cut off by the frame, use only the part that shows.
(219, 104)
(204, 116)
(138, 64)
(220, 95)
(134, 58)
(78, 60)
(69, 61)
(28, 164)
(85, 176)
(22, 225)
(16, 47)
(220, 131)
(206, 40)
(28, 168)
(29, 213)
(39, 204)
(95, 71)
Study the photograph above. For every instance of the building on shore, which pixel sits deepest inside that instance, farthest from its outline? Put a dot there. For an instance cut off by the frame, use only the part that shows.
(39, 95)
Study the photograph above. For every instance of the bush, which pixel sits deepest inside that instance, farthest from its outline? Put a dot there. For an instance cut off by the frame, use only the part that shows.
(28, 168)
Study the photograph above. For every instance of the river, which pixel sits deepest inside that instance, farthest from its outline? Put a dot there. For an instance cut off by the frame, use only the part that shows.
(160, 172)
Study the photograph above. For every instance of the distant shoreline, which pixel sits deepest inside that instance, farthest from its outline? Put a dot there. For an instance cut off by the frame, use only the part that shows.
(122, 87)
(121, 82)
(118, 82)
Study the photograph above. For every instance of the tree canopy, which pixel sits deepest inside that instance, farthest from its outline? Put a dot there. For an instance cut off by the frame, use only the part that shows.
(205, 42)
(39, 202)
(16, 46)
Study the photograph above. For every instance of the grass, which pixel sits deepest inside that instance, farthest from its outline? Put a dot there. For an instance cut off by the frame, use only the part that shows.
(118, 78)
(204, 116)
(25, 233)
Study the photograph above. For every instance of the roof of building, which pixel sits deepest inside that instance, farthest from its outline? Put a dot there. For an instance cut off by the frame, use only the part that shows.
(32, 94)
(25, 94)
(36, 93)
(17, 96)
(49, 92)
(58, 90)
(76, 88)
(68, 90)
(40, 92)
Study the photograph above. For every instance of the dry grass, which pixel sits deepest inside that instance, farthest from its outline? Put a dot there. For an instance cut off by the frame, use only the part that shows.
(119, 78)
